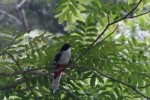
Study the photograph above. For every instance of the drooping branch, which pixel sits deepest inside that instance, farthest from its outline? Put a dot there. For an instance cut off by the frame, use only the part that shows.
(20, 8)
(11, 17)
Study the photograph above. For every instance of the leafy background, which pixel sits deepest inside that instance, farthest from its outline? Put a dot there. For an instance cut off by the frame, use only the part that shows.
(110, 49)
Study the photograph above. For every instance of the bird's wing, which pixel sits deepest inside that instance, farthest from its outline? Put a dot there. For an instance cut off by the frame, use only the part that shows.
(56, 60)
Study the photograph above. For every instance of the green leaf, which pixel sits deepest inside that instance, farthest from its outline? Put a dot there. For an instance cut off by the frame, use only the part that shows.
(21, 34)
(93, 81)
(81, 23)
(89, 40)
(40, 81)
(92, 29)
(7, 94)
(130, 2)
(34, 81)
(74, 3)
(69, 18)
(60, 8)
(72, 8)
(81, 28)
(46, 81)
(87, 75)
(79, 37)
(141, 44)
(117, 91)
(2, 95)
(99, 78)
(101, 21)
(63, 16)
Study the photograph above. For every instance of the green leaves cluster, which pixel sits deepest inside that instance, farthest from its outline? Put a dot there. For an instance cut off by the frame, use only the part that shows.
(117, 68)
(86, 33)
(96, 10)
(24, 56)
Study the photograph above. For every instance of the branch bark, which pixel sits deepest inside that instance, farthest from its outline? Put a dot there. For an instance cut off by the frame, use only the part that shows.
(11, 16)
(20, 8)
(138, 15)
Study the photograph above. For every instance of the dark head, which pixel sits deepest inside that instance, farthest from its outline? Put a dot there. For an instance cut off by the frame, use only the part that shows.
(65, 47)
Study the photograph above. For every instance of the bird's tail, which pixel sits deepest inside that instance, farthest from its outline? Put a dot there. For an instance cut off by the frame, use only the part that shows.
(55, 83)
(56, 79)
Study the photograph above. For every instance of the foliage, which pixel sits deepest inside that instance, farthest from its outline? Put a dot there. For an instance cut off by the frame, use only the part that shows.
(111, 60)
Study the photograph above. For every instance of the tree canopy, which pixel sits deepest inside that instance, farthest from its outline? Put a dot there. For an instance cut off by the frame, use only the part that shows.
(110, 43)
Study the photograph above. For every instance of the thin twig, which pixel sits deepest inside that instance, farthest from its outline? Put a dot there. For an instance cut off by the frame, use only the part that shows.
(124, 17)
(106, 37)
(138, 15)
(148, 98)
(114, 2)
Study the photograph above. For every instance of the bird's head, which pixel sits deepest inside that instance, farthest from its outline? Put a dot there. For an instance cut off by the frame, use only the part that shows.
(65, 47)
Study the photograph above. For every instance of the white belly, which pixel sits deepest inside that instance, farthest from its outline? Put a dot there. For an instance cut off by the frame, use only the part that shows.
(65, 57)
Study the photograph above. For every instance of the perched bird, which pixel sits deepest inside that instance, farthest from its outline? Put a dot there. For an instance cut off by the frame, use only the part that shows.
(62, 59)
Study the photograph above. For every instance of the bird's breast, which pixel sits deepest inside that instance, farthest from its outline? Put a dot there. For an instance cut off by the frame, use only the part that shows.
(65, 57)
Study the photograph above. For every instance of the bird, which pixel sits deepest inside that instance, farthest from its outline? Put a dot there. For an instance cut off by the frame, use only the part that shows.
(61, 60)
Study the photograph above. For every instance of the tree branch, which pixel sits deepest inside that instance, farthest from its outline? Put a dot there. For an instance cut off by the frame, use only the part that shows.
(91, 45)
(114, 2)
(124, 17)
(138, 15)
(106, 37)
(24, 76)
(102, 33)
(134, 88)
(21, 4)
(11, 16)
(123, 83)
(20, 8)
